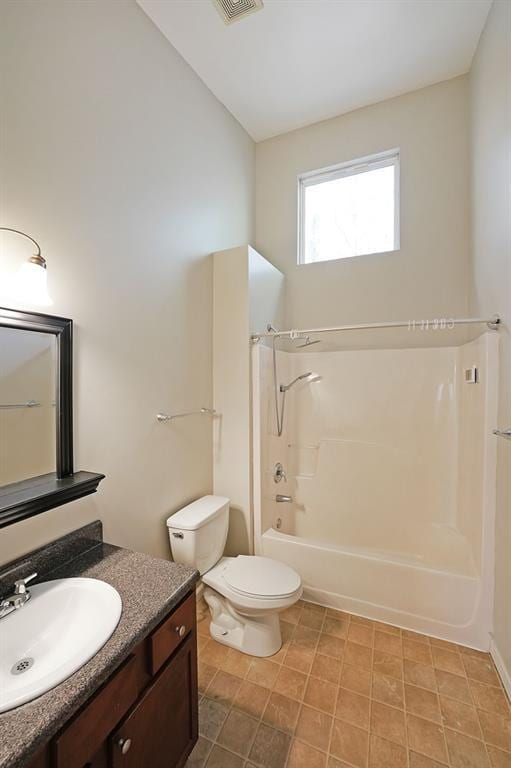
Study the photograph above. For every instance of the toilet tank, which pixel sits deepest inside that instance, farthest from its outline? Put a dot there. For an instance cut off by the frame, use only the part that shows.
(198, 532)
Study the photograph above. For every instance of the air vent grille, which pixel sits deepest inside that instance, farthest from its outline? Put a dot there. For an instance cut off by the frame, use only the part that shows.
(234, 10)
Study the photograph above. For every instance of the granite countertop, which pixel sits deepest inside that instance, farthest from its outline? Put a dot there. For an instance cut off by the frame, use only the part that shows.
(149, 588)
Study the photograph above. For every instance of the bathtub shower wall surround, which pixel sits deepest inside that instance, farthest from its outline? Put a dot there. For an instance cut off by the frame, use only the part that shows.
(131, 175)
(390, 463)
(490, 122)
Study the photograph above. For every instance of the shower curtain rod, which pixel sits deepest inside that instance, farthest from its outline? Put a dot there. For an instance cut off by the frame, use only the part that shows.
(446, 323)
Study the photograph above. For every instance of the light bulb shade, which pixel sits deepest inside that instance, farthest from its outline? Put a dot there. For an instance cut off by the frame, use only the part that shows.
(30, 285)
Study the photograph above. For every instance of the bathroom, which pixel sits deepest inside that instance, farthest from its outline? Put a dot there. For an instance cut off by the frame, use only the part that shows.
(174, 295)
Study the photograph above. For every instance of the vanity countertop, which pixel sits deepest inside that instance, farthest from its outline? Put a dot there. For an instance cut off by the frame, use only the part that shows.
(149, 587)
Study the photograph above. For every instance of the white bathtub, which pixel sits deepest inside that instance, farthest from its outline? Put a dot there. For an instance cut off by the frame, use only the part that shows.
(380, 587)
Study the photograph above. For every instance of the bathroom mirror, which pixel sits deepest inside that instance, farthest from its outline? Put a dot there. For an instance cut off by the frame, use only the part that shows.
(36, 416)
(28, 445)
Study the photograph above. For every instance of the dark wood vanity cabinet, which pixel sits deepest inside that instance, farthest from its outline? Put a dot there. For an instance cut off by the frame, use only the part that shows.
(146, 714)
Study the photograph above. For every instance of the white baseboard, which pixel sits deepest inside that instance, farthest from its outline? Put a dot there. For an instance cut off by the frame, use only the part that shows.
(505, 674)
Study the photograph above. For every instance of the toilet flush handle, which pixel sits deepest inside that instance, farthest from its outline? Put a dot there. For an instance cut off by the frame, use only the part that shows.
(178, 535)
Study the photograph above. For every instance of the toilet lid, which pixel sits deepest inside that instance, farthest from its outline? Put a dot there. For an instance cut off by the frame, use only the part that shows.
(261, 577)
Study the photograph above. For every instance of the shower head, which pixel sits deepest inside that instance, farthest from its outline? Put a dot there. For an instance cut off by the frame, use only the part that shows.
(310, 376)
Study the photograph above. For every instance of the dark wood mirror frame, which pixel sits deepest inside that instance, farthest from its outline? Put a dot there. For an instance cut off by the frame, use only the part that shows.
(38, 494)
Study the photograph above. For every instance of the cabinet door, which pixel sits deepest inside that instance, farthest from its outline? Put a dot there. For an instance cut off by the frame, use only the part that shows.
(162, 729)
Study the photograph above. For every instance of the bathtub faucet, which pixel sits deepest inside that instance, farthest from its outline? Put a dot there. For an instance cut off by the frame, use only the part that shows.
(280, 498)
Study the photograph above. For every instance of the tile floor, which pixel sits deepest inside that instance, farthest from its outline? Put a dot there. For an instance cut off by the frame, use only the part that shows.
(346, 692)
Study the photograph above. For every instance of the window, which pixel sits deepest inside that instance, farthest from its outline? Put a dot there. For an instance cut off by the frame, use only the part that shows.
(349, 210)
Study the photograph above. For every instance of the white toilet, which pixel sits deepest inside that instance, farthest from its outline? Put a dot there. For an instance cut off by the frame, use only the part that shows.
(245, 593)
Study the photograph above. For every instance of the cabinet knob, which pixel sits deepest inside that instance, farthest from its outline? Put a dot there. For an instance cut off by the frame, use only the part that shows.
(181, 631)
(124, 745)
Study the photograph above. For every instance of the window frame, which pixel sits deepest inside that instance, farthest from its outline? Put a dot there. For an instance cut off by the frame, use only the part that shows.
(390, 157)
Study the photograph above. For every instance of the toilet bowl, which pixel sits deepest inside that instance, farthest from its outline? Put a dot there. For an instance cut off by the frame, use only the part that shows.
(245, 594)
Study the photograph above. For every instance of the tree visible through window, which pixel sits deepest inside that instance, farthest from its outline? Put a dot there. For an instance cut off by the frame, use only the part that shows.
(350, 210)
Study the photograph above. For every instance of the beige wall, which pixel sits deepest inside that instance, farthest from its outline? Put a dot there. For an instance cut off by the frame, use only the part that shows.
(246, 288)
(490, 89)
(118, 159)
(428, 276)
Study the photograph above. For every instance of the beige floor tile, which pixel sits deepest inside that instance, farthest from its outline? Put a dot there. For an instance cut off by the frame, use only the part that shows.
(454, 686)
(312, 618)
(251, 698)
(389, 628)
(465, 752)
(420, 761)
(335, 627)
(306, 637)
(448, 661)
(214, 654)
(286, 630)
(420, 674)
(302, 755)
(201, 643)
(386, 754)
(496, 729)
(222, 758)
(358, 655)
(299, 658)
(291, 683)
(334, 613)
(360, 633)
(387, 664)
(334, 763)
(203, 626)
(326, 668)
(361, 620)
(292, 614)
(490, 698)
(314, 728)
(388, 690)
(445, 644)
(263, 672)
(349, 743)
(460, 717)
(422, 703)
(321, 695)
(419, 652)
(356, 679)
(388, 722)
(224, 687)
(388, 643)
(498, 758)
(238, 732)
(236, 663)
(281, 712)
(270, 747)
(353, 708)
(205, 675)
(329, 645)
(426, 737)
(479, 669)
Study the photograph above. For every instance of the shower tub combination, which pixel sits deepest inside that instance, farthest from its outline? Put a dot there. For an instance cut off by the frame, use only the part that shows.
(389, 462)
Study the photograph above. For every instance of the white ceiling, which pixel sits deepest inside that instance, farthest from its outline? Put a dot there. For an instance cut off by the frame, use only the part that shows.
(300, 61)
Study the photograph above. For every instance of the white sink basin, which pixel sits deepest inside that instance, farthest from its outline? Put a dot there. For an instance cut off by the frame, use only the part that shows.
(61, 627)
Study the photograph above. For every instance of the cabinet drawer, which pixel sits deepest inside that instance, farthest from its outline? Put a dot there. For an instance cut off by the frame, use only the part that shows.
(168, 636)
(85, 734)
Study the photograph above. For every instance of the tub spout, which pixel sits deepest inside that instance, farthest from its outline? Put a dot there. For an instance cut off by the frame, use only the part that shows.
(280, 498)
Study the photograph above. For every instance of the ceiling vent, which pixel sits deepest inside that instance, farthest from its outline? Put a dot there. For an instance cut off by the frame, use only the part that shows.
(234, 10)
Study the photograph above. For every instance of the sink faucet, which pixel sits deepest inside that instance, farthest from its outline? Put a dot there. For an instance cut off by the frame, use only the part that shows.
(19, 597)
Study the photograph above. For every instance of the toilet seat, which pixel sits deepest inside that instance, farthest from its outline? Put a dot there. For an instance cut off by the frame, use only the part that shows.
(261, 577)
